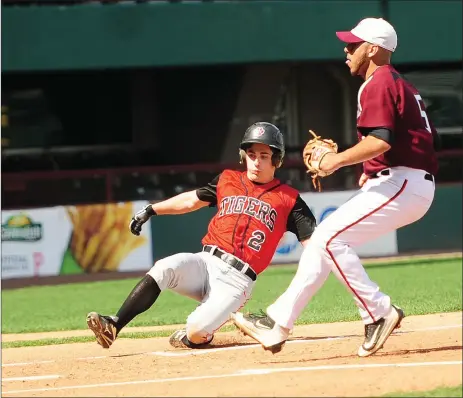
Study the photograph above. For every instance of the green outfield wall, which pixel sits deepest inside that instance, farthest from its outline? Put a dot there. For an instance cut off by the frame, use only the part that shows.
(440, 229)
(129, 34)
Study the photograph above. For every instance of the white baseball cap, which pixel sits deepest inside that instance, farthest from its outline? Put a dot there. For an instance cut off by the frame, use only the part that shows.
(372, 30)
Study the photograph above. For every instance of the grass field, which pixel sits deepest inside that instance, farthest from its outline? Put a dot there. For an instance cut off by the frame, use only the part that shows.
(438, 392)
(418, 286)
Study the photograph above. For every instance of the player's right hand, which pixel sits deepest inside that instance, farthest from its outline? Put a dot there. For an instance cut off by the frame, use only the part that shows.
(140, 218)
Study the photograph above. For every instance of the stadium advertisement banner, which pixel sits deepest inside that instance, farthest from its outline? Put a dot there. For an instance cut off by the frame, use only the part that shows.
(29, 240)
(73, 240)
(323, 204)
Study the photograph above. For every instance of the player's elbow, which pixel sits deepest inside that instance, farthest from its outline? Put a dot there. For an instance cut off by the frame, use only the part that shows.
(383, 146)
(378, 145)
(192, 202)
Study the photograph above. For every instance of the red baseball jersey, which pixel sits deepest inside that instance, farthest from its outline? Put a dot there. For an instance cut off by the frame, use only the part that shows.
(251, 218)
(386, 100)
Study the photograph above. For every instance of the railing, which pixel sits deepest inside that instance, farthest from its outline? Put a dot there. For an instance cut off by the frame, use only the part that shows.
(104, 2)
(73, 2)
(49, 188)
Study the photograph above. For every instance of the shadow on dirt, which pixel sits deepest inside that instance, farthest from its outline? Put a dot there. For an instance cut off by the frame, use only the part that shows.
(226, 344)
(379, 355)
(344, 336)
(133, 354)
(424, 350)
(231, 344)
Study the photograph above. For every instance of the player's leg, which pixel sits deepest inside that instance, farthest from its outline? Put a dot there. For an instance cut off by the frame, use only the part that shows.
(229, 291)
(381, 207)
(386, 206)
(378, 209)
(273, 330)
(185, 273)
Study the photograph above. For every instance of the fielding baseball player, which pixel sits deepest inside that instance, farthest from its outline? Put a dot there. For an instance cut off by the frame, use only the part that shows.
(397, 147)
(254, 211)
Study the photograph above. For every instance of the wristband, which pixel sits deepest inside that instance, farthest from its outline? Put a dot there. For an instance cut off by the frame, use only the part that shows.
(150, 211)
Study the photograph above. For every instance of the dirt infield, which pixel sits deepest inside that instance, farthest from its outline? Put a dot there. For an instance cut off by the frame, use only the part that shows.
(319, 360)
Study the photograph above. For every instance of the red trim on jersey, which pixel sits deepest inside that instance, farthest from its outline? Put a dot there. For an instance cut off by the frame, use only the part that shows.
(351, 225)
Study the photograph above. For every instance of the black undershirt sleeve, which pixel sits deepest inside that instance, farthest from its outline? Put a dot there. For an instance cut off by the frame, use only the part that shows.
(208, 193)
(301, 220)
(379, 132)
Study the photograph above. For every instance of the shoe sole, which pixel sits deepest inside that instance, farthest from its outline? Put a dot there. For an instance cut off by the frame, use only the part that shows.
(175, 342)
(273, 348)
(380, 343)
(94, 324)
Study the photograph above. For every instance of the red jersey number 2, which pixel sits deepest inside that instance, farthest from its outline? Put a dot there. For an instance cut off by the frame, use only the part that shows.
(256, 240)
(424, 115)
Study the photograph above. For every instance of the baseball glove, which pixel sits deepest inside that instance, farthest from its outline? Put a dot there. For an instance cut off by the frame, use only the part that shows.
(313, 153)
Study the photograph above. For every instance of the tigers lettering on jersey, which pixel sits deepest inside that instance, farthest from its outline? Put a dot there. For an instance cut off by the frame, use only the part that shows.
(251, 218)
(253, 207)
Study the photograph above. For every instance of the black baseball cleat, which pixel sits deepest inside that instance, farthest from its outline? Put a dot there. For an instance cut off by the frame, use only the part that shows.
(103, 327)
(377, 333)
(179, 339)
(262, 328)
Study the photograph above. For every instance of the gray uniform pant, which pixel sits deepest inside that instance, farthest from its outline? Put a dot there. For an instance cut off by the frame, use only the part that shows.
(220, 288)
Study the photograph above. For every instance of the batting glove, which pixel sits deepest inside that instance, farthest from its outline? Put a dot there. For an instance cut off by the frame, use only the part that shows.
(140, 218)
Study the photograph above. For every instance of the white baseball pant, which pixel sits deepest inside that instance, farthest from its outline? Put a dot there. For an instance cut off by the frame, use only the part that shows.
(220, 288)
(384, 204)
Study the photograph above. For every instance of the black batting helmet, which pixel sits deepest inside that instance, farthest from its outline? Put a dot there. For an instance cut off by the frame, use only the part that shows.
(268, 134)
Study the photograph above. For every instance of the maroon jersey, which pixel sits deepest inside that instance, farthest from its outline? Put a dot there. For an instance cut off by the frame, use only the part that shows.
(388, 101)
(251, 218)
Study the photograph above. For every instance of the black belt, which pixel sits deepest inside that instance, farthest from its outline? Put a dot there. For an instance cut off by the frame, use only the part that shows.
(231, 260)
(387, 172)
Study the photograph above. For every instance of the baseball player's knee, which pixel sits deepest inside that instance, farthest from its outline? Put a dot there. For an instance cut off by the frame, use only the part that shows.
(326, 241)
(197, 334)
(163, 273)
(319, 239)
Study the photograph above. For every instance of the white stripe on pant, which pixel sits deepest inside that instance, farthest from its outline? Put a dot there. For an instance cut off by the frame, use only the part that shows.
(385, 204)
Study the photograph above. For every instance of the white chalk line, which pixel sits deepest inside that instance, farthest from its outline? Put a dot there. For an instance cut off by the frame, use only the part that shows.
(241, 347)
(245, 372)
(220, 349)
(308, 341)
(27, 378)
(5, 365)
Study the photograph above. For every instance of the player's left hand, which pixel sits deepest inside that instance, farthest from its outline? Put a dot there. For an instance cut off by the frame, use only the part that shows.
(329, 163)
(320, 158)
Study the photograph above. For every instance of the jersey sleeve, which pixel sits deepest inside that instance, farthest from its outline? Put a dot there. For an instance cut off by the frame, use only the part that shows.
(208, 193)
(301, 220)
(377, 101)
(378, 132)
